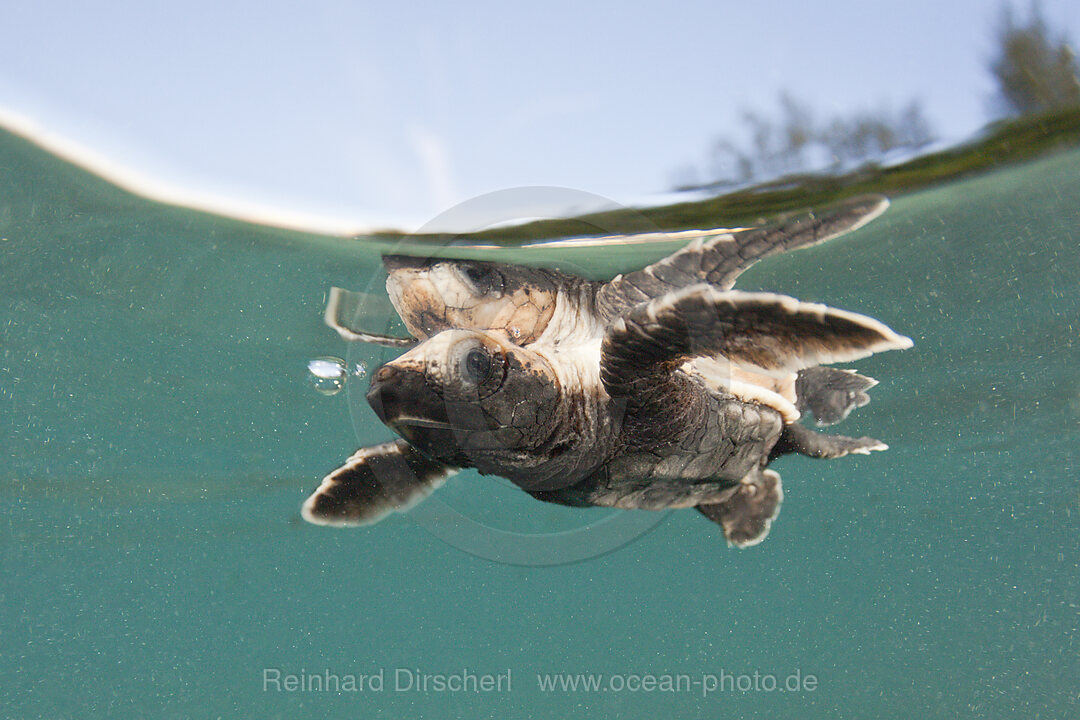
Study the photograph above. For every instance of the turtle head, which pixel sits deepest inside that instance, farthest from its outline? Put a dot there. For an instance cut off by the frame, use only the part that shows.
(469, 398)
(432, 295)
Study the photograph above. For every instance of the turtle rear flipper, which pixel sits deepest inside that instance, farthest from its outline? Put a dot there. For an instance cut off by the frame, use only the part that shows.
(797, 438)
(831, 393)
(719, 259)
(747, 514)
(373, 483)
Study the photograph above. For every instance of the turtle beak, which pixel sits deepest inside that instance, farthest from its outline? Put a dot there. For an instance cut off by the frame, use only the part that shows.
(411, 407)
(402, 396)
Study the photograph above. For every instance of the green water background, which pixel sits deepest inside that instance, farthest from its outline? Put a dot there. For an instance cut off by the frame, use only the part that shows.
(159, 434)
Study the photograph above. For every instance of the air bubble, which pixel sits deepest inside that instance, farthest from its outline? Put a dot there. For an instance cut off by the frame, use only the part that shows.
(327, 374)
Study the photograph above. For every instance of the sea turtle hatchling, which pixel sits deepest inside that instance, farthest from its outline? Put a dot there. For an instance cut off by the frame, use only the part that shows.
(534, 304)
(628, 409)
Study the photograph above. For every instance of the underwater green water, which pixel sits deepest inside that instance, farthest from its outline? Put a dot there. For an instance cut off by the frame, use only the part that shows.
(159, 434)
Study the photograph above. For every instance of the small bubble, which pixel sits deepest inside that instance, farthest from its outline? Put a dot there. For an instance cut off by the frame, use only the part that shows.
(359, 370)
(327, 375)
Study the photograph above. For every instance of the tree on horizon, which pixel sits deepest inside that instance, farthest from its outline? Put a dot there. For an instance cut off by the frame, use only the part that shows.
(1034, 72)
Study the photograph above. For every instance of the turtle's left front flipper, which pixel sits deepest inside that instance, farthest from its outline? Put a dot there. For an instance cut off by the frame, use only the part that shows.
(761, 332)
(374, 482)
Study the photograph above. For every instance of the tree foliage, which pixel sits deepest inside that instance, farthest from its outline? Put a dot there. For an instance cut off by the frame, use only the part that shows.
(797, 142)
(1034, 72)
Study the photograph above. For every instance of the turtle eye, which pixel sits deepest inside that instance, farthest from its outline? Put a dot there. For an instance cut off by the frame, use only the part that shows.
(476, 366)
(486, 280)
(481, 369)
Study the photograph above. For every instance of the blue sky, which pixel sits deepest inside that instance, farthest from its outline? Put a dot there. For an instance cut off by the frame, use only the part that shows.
(388, 113)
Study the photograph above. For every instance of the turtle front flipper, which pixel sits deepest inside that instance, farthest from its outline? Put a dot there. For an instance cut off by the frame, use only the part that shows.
(341, 306)
(831, 393)
(747, 514)
(374, 482)
(797, 438)
(719, 259)
(761, 332)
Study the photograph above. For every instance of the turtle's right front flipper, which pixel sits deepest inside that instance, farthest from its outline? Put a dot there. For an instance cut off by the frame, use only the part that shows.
(374, 482)
(719, 259)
